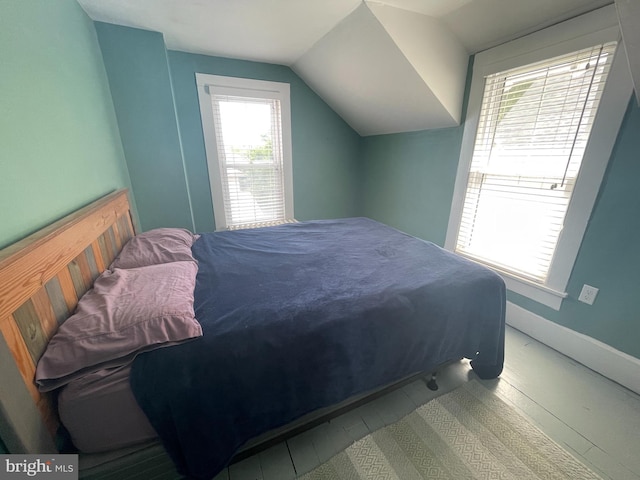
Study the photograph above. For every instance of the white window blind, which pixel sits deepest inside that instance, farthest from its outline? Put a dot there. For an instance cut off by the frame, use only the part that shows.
(247, 134)
(533, 130)
(248, 137)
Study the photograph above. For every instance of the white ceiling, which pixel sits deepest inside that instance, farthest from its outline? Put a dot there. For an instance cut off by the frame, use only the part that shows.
(306, 35)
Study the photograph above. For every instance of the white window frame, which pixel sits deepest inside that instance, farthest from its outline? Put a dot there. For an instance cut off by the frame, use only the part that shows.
(597, 27)
(250, 88)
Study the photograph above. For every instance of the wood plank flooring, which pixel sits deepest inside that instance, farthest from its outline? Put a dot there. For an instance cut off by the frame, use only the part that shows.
(594, 418)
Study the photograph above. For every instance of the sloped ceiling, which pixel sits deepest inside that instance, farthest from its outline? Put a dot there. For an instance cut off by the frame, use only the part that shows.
(385, 66)
(388, 70)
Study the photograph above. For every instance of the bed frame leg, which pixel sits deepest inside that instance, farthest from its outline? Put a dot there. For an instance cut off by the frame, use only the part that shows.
(431, 384)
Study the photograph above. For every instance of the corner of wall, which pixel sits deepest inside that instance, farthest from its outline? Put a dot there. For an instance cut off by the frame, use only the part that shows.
(141, 88)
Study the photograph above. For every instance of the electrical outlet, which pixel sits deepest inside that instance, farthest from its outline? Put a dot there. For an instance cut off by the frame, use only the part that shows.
(588, 294)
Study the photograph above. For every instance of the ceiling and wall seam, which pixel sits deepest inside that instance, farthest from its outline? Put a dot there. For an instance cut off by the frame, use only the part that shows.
(288, 32)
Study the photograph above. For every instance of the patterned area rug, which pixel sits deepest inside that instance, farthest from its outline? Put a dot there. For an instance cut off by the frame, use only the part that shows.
(466, 434)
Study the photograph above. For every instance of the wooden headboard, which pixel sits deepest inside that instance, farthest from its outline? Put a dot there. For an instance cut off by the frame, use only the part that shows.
(41, 279)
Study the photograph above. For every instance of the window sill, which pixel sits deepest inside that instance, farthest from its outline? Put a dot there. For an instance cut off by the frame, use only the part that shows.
(527, 288)
(539, 293)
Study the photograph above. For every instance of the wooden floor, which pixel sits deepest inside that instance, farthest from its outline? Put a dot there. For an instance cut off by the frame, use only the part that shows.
(594, 418)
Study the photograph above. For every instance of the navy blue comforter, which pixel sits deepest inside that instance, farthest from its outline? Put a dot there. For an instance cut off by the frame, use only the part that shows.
(301, 316)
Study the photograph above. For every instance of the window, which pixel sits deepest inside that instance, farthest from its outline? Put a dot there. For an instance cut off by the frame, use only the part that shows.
(536, 143)
(247, 131)
(532, 133)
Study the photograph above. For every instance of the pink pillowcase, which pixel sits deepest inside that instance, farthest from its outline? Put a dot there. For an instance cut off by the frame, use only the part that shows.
(161, 245)
(127, 312)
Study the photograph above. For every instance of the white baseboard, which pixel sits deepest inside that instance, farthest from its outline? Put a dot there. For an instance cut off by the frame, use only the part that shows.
(598, 356)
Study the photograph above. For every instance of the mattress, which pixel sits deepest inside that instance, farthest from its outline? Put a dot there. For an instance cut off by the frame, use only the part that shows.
(100, 412)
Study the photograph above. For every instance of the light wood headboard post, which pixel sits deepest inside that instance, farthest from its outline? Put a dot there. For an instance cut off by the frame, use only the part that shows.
(41, 279)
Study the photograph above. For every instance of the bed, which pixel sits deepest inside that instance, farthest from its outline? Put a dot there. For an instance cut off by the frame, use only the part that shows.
(334, 309)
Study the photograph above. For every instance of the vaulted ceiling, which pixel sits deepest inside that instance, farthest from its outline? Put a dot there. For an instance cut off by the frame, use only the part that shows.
(385, 66)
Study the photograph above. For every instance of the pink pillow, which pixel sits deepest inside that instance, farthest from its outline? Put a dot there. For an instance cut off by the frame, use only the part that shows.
(127, 312)
(161, 245)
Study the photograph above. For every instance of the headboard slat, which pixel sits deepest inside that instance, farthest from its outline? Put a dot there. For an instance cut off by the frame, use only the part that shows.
(68, 288)
(112, 240)
(97, 255)
(105, 254)
(45, 312)
(54, 292)
(79, 284)
(124, 228)
(29, 325)
(91, 264)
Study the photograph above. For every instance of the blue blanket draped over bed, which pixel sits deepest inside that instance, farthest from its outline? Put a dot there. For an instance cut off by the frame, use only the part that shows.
(301, 316)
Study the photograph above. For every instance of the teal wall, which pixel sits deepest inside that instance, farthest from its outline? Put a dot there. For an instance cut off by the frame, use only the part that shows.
(156, 102)
(408, 179)
(325, 148)
(136, 64)
(59, 143)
